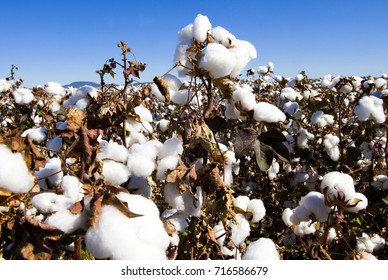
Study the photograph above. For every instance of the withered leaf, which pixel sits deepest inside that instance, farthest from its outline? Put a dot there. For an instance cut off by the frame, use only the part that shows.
(111, 199)
(96, 210)
(169, 227)
(275, 138)
(209, 178)
(76, 208)
(178, 174)
(216, 123)
(264, 155)
(162, 86)
(203, 137)
(245, 141)
(75, 119)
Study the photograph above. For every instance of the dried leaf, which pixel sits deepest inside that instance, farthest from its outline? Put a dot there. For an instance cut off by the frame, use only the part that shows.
(95, 210)
(275, 138)
(76, 208)
(75, 119)
(245, 140)
(203, 137)
(209, 178)
(162, 86)
(111, 199)
(264, 155)
(178, 174)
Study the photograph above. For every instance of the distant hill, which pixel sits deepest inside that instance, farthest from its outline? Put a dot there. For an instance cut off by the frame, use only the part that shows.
(79, 84)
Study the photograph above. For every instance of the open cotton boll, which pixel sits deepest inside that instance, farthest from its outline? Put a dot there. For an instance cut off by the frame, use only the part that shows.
(51, 173)
(315, 203)
(359, 202)
(173, 196)
(113, 151)
(54, 89)
(5, 85)
(149, 149)
(303, 137)
(193, 203)
(320, 119)
(173, 82)
(72, 188)
(300, 214)
(181, 97)
(139, 185)
(178, 219)
(380, 182)
(241, 202)
(144, 114)
(291, 107)
(116, 172)
(220, 235)
(336, 185)
(273, 170)
(223, 36)
(286, 216)
(261, 249)
(48, 202)
(38, 135)
(230, 111)
(245, 96)
(163, 125)
(80, 99)
(181, 55)
(240, 230)
(244, 52)
(201, 27)
(23, 96)
(304, 228)
(10, 163)
(172, 146)
(331, 145)
(290, 94)
(186, 33)
(67, 222)
(217, 60)
(266, 112)
(140, 165)
(155, 91)
(380, 83)
(165, 164)
(370, 107)
(256, 207)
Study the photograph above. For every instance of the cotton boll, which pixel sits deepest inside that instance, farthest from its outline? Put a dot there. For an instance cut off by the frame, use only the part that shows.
(51, 173)
(193, 203)
(223, 36)
(286, 216)
(173, 82)
(54, 89)
(245, 96)
(54, 144)
(273, 170)
(179, 220)
(380, 182)
(116, 172)
(113, 151)
(370, 107)
(240, 230)
(72, 188)
(23, 96)
(256, 207)
(173, 196)
(144, 114)
(163, 125)
(181, 97)
(303, 137)
(359, 202)
(38, 135)
(181, 55)
(139, 185)
(243, 52)
(266, 112)
(201, 27)
(263, 70)
(220, 235)
(230, 111)
(336, 185)
(80, 99)
(51, 202)
(172, 146)
(165, 164)
(5, 85)
(10, 162)
(380, 83)
(155, 91)
(290, 94)
(186, 33)
(261, 249)
(67, 222)
(304, 228)
(241, 202)
(331, 145)
(321, 120)
(315, 203)
(217, 60)
(291, 107)
(300, 214)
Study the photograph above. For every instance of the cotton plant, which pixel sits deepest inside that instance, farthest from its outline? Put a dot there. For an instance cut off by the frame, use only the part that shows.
(23, 96)
(370, 108)
(369, 243)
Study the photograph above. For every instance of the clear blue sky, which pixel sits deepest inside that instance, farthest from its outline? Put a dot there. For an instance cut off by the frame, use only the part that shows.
(68, 40)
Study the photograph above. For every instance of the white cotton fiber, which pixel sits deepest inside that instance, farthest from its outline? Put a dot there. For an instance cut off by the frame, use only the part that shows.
(380, 83)
(51, 173)
(240, 230)
(261, 249)
(54, 89)
(245, 96)
(217, 60)
(113, 151)
(266, 112)
(181, 97)
(320, 119)
(139, 185)
(300, 214)
(174, 84)
(155, 91)
(80, 99)
(243, 52)
(286, 216)
(223, 36)
(173, 196)
(220, 235)
(144, 114)
(49, 202)
(256, 207)
(331, 145)
(370, 107)
(172, 146)
(241, 202)
(359, 201)
(163, 125)
(315, 203)
(10, 162)
(201, 27)
(303, 137)
(181, 55)
(68, 222)
(193, 202)
(38, 135)
(178, 219)
(338, 185)
(304, 228)
(116, 172)
(165, 164)
(72, 188)
(291, 107)
(23, 96)
(186, 33)
(140, 165)
(290, 94)
(273, 170)
(380, 182)
(5, 85)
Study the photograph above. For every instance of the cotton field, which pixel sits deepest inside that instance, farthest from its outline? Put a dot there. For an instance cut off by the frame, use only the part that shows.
(215, 162)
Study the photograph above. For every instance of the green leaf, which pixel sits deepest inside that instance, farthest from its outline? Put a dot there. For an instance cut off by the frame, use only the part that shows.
(264, 155)
(112, 73)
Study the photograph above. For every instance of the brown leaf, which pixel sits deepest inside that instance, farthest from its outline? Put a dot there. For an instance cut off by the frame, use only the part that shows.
(163, 87)
(203, 137)
(76, 208)
(209, 178)
(96, 210)
(169, 227)
(245, 138)
(111, 199)
(178, 174)
(75, 119)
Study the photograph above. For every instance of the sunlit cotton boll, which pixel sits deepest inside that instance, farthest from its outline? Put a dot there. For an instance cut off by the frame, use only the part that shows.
(290, 94)
(256, 207)
(10, 163)
(173, 196)
(337, 185)
(241, 202)
(23, 96)
(201, 27)
(172, 146)
(223, 36)
(144, 114)
(68, 222)
(266, 112)
(315, 203)
(220, 235)
(320, 119)
(359, 202)
(181, 97)
(240, 230)
(37, 135)
(113, 151)
(49, 202)
(217, 60)
(80, 99)
(243, 52)
(165, 164)
(5, 85)
(331, 145)
(245, 96)
(54, 89)
(370, 107)
(116, 236)
(273, 170)
(261, 249)
(72, 188)
(304, 228)
(116, 172)
(181, 55)
(163, 125)
(51, 173)
(186, 33)
(139, 185)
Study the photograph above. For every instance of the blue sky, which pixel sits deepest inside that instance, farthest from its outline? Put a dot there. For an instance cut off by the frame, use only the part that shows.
(67, 41)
